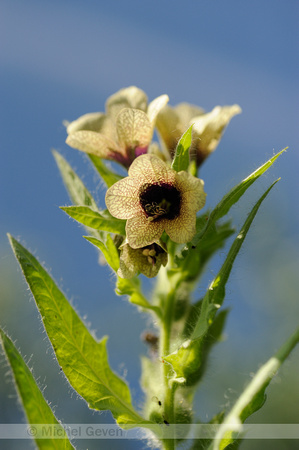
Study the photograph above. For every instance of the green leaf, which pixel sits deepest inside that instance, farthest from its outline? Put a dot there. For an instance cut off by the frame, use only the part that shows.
(216, 292)
(191, 364)
(131, 287)
(253, 397)
(94, 219)
(107, 175)
(193, 261)
(233, 196)
(181, 157)
(75, 187)
(36, 407)
(83, 359)
(203, 443)
(211, 302)
(109, 250)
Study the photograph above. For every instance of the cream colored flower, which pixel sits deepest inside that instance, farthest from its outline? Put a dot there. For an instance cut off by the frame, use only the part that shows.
(124, 132)
(154, 198)
(207, 129)
(146, 260)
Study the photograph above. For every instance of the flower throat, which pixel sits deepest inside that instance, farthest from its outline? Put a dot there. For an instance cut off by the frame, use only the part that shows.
(161, 200)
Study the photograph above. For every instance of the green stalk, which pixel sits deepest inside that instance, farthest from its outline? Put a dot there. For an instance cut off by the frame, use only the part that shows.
(166, 291)
(169, 390)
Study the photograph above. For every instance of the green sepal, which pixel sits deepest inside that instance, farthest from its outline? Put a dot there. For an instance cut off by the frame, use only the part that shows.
(83, 359)
(252, 398)
(108, 249)
(93, 219)
(132, 288)
(181, 156)
(106, 174)
(38, 411)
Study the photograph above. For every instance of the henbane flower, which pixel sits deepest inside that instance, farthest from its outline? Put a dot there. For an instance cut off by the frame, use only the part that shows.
(146, 260)
(154, 198)
(124, 132)
(207, 129)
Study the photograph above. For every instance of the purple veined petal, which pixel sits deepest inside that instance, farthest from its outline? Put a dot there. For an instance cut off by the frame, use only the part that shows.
(151, 169)
(141, 232)
(169, 127)
(186, 113)
(122, 199)
(209, 127)
(133, 128)
(130, 97)
(94, 143)
(155, 107)
(183, 228)
(192, 189)
(97, 122)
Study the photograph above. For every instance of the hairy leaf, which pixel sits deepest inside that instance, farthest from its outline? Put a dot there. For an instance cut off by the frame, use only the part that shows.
(216, 292)
(83, 359)
(93, 219)
(193, 262)
(232, 197)
(37, 410)
(202, 347)
(212, 301)
(252, 398)
(109, 250)
(75, 187)
(181, 156)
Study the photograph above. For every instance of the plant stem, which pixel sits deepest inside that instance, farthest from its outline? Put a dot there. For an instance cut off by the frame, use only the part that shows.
(169, 389)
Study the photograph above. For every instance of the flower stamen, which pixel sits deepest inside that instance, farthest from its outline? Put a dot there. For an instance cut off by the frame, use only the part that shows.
(151, 260)
(160, 200)
(154, 211)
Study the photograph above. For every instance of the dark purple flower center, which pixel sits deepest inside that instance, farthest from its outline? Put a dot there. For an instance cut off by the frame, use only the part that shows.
(160, 200)
(140, 151)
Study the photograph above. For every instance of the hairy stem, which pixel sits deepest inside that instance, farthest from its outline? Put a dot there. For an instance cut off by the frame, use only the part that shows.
(169, 389)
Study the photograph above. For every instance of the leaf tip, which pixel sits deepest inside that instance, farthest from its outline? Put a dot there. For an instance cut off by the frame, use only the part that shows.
(2, 334)
(11, 240)
(281, 152)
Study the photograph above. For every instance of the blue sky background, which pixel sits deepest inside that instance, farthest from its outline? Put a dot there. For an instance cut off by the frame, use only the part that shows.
(61, 59)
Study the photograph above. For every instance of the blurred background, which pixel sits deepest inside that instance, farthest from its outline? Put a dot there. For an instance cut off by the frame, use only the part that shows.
(62, 59)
